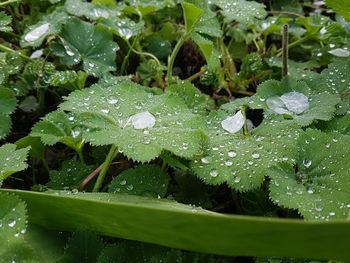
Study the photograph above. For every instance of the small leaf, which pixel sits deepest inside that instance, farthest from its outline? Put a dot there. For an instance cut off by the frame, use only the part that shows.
(84, 247)
(5, 126)
(341, 7)
(81, 41)
(197, 101)
(319, 185)
(69, 79)
(10, 64)
(146, 180)
(70, 176)
(60, 127)
(13, 218)
(37, 148)
(90, 10)
(123, 27)
(5, 20)
(192, 14)
(245, 12)
(12, 160)
(50, 24)
(109, 112)
(243, 162)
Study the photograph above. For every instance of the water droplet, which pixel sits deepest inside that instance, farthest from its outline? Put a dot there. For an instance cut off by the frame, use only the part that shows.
(36, 33)
(228, 163)
(232, 154)
(255, 155)
(122, 182)
(143, 120)
(130, 187)
(12, 223)
(295, 102)
(234, 123)
(112, 100)
(307, 163)
(237, 179)
(214, 173)
(206, 159)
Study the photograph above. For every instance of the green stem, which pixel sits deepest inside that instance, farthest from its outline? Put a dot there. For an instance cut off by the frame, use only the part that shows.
(293, 44)
(143, 53)
(126, 58)
(79, 150)
(46, 165)
(173, 55)
(9, 2)
(245, 126)
(10, 50)
(105, 167)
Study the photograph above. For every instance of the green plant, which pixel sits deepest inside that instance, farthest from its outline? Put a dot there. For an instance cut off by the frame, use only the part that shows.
(176, 123)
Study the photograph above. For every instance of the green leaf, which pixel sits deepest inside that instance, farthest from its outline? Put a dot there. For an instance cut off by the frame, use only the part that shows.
(139, 123)
(11, 160)
(91, 11)
(147, 180)
(84, 247)
(10, 64)
(37, 148)
(123, 27)
(58, 126)
(70, 176)
(304, 105)
(143, 8)
(341, 7)
(69, 79)
(319, 185)
(129, 251)
(243, 162)
(339, 124)
(192, 14)
(13, 222)
(195, 100)
(135, 217)
(50, 24)
(81, 41)
(5, 126)
(5, 20)
(245, 12)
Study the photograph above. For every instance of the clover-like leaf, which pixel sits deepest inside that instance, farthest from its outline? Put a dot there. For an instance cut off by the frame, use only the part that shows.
(83, 247)
(341, 7)
(12, 160)
(50, 24)
(70, 176)
(198, 102)
(123, 27)
(146, 180)
(319, 184)
(82, 41)
(10, 64)
(69, 79)
(5, 20)
(292, 99)
(245, 12)
(13, 222)
(139, 123)
(90, 10)
(243, 162)
(60, 127)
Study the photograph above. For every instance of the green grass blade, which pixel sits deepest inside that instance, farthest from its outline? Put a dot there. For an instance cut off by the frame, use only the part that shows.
(175, 225)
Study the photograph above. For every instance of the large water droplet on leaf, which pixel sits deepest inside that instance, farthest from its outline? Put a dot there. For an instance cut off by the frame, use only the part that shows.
(143, 120)
(276, 104)
(295, 102)
(36, 33)
(233, 124)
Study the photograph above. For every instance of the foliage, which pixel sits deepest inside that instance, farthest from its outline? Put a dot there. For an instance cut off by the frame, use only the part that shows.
(162, 106)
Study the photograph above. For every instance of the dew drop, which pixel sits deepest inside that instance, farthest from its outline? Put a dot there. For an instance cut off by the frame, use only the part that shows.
(307, 163)
(143, 120)
(36, 33)
(214, 173)
(237, 179)
(232, 154)
(234, 123)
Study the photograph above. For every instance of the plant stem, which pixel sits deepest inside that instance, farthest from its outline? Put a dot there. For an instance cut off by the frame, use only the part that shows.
(143, 53)
(285, 13)
(10, 50)
(293, 44)
(245, 126)
(104, 169)
(285, 51)
(80, 153)
(126, 58)
(196, 75)
(9, 2)
(46, 165)
(173, 57)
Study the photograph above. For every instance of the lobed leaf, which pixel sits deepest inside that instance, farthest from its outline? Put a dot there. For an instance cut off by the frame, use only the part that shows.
(245, 12)
(243, 162)
(70, 176)
(108, 110)
(50, 24)
(82, 41)
(145, 180)
(91, 11)
(12, 160)
(69, 79)
(319, 184)
(5, 20)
